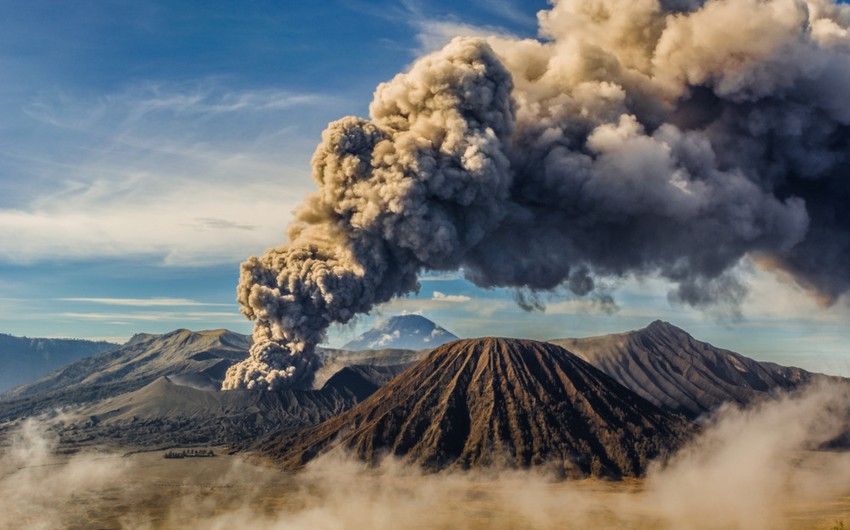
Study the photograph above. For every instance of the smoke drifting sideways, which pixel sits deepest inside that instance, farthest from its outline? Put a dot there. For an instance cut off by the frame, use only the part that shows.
(669, 138)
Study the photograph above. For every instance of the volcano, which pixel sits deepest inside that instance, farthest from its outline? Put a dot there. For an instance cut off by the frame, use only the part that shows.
(408, 332)
(496, 402)
(673, 370)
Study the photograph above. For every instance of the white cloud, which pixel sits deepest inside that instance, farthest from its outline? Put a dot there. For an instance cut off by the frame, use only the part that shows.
(450, 298)
(157, 316)
(478, 308)
(434, 34)
(509, 11)
(166, 229)
(774, 296)
(198, 99)
(442, 277)
(186, 174)
(146, 302)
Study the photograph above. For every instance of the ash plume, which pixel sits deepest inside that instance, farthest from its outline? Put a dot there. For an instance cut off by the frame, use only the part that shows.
(672, 138)
(414, 188)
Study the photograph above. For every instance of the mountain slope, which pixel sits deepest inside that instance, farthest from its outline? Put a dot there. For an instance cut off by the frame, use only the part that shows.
(165, 413)
(407, 332)
(487, 402)
(334, 360)
(146, 357)
(197, 359)
(24, 359)
(668, 367)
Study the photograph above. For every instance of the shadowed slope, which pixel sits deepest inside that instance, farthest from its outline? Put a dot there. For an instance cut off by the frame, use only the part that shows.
(491, 402)
(670, 368)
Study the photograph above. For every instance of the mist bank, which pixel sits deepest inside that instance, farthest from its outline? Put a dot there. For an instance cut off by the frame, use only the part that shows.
(755, 468)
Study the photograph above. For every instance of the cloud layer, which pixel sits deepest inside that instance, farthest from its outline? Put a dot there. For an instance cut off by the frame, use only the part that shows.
(164, 172)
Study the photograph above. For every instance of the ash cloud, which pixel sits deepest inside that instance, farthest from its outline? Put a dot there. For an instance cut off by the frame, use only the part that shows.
(647, 138)
(417, 187)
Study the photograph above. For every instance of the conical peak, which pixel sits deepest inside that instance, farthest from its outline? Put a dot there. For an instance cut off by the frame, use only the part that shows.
(666, 328)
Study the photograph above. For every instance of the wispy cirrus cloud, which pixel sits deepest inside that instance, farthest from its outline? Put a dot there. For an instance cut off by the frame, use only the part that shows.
(434, 27)
(179, 173)
(508, 10)
(146, 302)
(433, 34)
(156, 316)
(200, 99)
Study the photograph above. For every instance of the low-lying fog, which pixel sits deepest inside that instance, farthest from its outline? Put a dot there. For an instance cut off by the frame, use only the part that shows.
(752, 469)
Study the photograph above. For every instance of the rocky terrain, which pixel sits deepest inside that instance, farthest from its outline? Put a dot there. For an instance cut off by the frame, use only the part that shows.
(146, 357)
(164, 390)
(492, 401)
(667, 366)
(196, 359)
(165, 413)
(469, 403)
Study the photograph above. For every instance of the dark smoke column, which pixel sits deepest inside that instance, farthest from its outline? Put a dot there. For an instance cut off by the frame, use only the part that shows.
(638, 139)
(414, 188)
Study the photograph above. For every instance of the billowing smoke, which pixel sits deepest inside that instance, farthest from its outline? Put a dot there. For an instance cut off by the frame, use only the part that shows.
(671, 138)
(418, 186)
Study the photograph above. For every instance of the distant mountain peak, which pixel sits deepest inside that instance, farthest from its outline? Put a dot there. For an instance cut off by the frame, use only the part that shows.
(409, 317)
(184, 334)
(139, 338)
(145, 357)
(672, 369)
(663, 326)
(409, 332)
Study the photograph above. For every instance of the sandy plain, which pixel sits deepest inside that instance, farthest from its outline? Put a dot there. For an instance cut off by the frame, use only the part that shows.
(146, 491)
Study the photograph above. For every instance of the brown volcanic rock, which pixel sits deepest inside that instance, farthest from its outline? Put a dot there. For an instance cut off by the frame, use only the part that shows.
(678, 373)
(493, 402)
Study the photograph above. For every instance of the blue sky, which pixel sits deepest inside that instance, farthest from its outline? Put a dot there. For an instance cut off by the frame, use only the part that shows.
(147, 148)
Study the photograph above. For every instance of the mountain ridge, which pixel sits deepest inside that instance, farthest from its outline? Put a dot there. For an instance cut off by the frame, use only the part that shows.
(202, 357)
(145, 357)
(666, 365)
